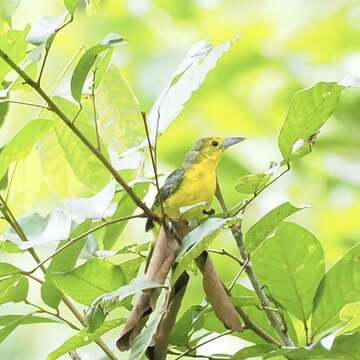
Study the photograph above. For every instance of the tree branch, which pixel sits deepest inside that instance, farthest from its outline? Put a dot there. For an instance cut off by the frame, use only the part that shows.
(53, 107)
(20, 102)
(273, 317)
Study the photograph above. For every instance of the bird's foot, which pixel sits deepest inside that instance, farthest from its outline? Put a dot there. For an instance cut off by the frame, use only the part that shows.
(209, 212)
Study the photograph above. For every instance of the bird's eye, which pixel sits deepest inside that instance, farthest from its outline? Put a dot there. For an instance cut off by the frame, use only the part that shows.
(214, 143)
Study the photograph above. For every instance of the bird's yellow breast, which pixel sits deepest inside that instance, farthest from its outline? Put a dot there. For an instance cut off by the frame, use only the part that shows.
(198, 185)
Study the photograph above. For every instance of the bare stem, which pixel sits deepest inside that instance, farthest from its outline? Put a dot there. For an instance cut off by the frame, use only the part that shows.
(154, 164)
(94, 110)
(225, 253)
(185, 353)
(48, 46)
(20, 102)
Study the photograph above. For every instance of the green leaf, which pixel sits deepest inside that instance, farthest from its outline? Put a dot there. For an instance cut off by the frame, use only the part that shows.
(125, 207)
(71, 5)
(339, 286)
(22, 143)
(14, 45)
(10, 322)
(8, 269)
(6, 320)
(62, 262)
(104, 304)
(13, 289)
(87, 168)
(7, 9)
(253, 351)
(43, 30)
(143, 340)
(87, 61)
(251, 184)
(116, 100)
(194, 243)
(267, 224)
(348, 345)
(181, 332)
(94, 278)
(83, 338)
(4, 108)
(308, 111)
(293, 271)
(190, 74)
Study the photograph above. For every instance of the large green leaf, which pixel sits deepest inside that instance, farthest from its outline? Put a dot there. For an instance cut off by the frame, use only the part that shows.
(87, 168)
(7, 269)
(83, 338)
(308, 111)
(22, 143)
(10, 322)
(94, 278)
(190, 74)
(340, 286)
(14, 45)
(267, 224)
(98, 311)
(348, 345)
(62, 262)
(119, 111)
(125, 207)
(143, 340)
(13, 289)
(291, 265)
(87, 61)
(194, 243)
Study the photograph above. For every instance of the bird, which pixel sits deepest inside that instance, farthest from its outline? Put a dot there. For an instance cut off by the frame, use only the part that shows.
(194, 182)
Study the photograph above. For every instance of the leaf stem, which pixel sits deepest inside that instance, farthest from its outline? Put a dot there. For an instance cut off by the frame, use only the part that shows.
(94, 110)
(20, 102)
(225, 253)
(203, 343)
(53, 107)
(154, 163)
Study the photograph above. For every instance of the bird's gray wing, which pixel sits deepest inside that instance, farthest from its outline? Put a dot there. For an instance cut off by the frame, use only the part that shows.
(171, 184)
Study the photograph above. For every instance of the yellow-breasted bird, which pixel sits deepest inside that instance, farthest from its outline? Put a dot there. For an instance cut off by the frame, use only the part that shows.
(194, 182)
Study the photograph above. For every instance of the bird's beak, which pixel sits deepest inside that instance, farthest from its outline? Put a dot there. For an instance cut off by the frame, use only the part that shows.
(230, 141)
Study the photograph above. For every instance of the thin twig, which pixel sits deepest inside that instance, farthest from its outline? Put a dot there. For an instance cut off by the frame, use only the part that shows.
(203, 343)
(11, 180)
(53, 107)
(154, 164)
(238, 274)
(86, 233)
(94, 109)
(225, 253)
(48, 47)
(20, 102)
(57, 315)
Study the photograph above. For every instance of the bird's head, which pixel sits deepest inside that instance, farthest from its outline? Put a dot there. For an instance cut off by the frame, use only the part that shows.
(212, 148)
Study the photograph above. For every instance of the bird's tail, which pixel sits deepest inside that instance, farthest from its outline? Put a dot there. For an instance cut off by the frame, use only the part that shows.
(149, 224)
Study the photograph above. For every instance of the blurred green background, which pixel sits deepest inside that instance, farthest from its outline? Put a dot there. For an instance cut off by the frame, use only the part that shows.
(284, 46)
